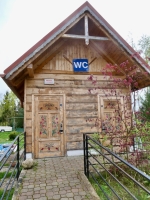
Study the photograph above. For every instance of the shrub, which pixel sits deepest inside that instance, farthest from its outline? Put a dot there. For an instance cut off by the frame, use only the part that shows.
(13, 135)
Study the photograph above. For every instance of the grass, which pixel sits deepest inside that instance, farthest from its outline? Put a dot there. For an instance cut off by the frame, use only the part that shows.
(35, 165)
(5, 196)
(7, 176)
(134, 189)
(4, 137)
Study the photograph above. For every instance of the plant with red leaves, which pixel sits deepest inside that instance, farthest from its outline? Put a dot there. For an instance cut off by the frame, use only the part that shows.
(119, 124)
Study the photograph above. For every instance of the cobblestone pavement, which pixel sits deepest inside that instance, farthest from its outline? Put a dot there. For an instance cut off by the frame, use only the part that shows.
(55, 178)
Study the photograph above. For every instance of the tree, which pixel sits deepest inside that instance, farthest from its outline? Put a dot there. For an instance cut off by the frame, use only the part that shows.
(144, 44)
(8, 106)
(19, 115)
(145, 106)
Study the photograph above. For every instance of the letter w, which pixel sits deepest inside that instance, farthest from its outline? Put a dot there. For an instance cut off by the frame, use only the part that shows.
(77, 64)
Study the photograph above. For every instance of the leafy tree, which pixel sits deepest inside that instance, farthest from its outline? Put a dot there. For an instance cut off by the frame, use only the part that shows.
(8, 106)
(145, 106)
(144, 44)
(10, 110)
(20, 114)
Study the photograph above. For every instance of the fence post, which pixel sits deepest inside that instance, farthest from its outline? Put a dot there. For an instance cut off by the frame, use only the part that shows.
(24, 145)
(84, 150)
(18, 157)
(87, 156)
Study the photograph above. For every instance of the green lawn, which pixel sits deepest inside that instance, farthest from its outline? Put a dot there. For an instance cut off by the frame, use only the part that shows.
(5, 196)
(4, 137)
(134, 189)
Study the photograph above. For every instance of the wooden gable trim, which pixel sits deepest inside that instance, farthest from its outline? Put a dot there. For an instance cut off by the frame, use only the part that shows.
(23, 65)
(30, 70)
(121, 43)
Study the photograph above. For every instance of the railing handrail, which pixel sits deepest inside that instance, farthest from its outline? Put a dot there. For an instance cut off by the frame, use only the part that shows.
(119, 158)
(107, 160)
(17, 158)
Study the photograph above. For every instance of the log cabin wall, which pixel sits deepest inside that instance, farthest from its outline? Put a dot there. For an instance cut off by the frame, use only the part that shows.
(79, 104)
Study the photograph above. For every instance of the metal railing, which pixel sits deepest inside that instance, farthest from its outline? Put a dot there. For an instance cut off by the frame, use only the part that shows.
(10, 165)
(112, 176)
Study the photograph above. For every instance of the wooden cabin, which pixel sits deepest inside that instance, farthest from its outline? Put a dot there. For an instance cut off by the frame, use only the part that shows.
(51, 81)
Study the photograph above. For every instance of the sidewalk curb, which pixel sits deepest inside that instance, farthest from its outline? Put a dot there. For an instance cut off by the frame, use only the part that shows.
(18, 184)
(87, 185)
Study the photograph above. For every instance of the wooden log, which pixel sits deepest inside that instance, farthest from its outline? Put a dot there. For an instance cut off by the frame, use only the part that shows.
(28, 148)
(28, 123)
(71, 84)
(59, 90)
(81, 129)
(81, 121)
(29, 115)
(81, 98)
(28, 99)
(81, 113)
(74, 137)
(28, 139)
(28, 106)
(73, 76)
(28, 131)
(81, 106)
(74, 145)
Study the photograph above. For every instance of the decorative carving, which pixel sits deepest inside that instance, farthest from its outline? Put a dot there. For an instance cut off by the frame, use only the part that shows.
(50, 147)
(55, 125)
(43, 124)
(48, 105)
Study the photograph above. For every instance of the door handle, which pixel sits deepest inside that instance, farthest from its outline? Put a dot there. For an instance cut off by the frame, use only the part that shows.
(61, 128)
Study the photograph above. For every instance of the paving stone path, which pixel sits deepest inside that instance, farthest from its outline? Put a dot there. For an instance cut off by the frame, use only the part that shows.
(56, 178)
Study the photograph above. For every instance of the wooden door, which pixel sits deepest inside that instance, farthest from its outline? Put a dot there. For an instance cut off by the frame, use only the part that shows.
(49, 124)
(110, 111)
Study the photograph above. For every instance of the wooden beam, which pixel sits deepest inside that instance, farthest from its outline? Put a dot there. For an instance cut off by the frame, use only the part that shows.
(84, 37)
(30, 70)
(67, 59)
(53, 72)
(86, 29)
(92, 60)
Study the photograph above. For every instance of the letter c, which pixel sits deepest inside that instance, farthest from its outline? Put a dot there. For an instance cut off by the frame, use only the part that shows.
(85, 65)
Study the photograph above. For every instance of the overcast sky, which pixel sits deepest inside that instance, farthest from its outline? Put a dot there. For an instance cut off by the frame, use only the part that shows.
(25, 22)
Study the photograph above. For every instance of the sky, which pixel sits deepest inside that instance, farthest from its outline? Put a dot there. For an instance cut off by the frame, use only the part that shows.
(25, 22)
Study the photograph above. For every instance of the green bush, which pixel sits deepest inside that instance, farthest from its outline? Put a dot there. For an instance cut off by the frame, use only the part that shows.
(13, 135)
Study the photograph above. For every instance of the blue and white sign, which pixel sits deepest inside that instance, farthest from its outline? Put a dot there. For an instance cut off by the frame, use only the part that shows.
(80, 65)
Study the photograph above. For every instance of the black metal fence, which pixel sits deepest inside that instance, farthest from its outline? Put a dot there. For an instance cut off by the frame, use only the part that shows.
(10, 165)
(112, 176)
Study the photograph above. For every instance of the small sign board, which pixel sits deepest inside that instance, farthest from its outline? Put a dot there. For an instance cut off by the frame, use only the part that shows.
(48, 81)
(80, 65)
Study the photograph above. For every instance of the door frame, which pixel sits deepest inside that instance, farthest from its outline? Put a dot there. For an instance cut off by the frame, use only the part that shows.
(33, 121)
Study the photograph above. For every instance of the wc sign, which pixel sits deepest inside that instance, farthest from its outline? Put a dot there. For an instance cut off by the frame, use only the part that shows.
(80, 65)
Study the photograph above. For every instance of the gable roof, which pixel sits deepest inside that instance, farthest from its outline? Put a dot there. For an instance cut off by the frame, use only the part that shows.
(56, 33)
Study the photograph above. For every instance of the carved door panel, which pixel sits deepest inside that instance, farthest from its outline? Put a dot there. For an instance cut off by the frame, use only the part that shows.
(49, 126)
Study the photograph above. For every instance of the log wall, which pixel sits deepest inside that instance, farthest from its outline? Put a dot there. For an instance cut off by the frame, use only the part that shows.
(80, 105)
